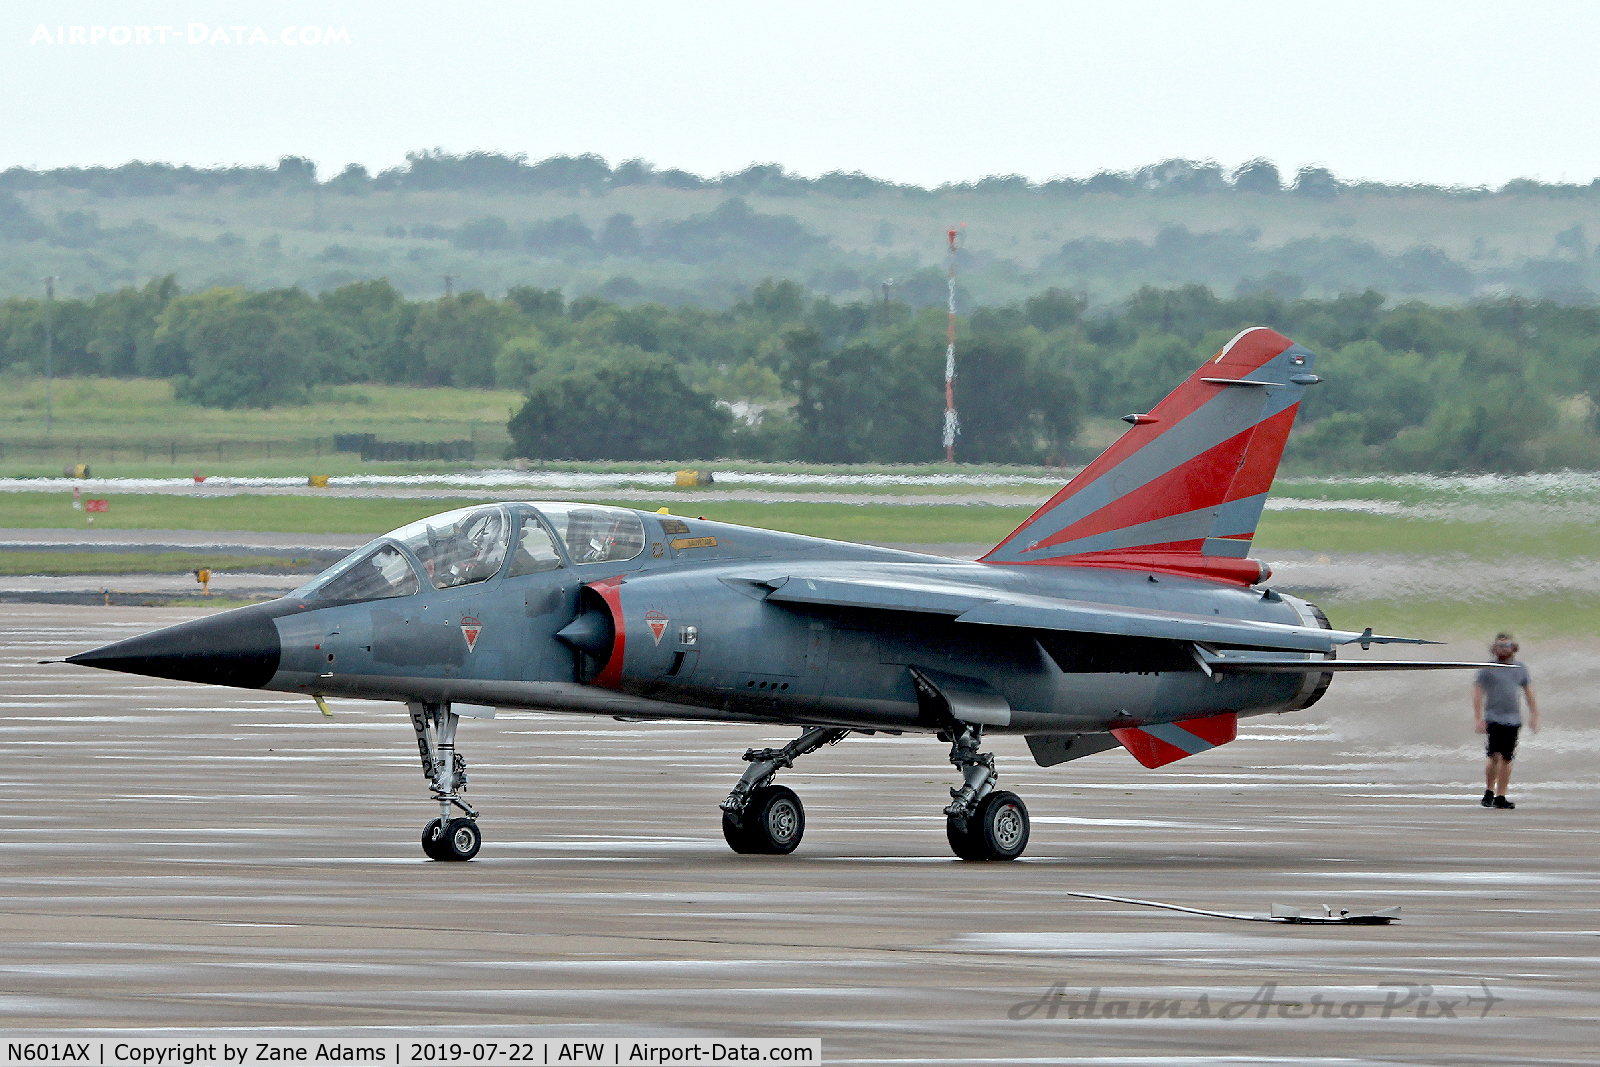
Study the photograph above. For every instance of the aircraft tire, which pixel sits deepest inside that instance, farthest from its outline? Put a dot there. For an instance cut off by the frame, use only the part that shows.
(431, 843)
(461, 840)
(772, 823)
(733, 833)
(1001, 825)
(963, 842)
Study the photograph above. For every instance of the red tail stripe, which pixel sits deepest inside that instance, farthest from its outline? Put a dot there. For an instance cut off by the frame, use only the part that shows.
(1252, 350)
(1202, 482)
(1261, 461)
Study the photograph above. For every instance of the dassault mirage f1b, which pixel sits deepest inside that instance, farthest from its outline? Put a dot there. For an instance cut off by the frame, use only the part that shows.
(1124, 612)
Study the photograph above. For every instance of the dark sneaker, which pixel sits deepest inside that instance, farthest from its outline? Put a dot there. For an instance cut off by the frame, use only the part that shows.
(1488, 798)
(1502, 802)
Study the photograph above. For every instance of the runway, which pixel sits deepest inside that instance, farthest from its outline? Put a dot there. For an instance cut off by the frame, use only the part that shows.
(183, 857)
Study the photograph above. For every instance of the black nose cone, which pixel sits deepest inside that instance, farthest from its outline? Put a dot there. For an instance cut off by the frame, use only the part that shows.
(238, 648)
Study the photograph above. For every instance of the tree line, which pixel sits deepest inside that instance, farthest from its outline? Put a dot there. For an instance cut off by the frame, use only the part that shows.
(784, 373)
(590, 174)
(733, 237)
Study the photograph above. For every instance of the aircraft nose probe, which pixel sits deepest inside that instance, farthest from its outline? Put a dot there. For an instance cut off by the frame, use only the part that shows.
(238, 648)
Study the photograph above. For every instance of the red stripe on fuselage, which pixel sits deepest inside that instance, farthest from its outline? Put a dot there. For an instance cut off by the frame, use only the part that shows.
(610, 590)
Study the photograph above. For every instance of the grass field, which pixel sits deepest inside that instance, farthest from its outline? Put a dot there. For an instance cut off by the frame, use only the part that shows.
(1334, 531)
(374, 515)
(134, 427)
(920, 524)
(45, 563)
(1445, 489)
(1530, 618)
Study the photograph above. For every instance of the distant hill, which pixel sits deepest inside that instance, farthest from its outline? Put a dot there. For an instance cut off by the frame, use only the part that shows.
(633, 233)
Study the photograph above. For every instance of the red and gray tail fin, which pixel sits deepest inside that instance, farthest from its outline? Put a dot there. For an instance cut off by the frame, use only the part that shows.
(1183, 490)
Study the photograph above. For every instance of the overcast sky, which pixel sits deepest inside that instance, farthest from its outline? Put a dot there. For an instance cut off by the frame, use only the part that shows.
(926, 92)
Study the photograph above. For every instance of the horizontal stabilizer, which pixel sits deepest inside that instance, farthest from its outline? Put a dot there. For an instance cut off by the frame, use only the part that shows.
(1159, 744)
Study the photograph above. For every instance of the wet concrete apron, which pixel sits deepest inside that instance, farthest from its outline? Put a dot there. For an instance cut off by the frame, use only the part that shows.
(179, 856)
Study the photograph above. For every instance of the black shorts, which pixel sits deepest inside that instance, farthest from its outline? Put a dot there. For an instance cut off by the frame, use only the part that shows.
(1502, 740)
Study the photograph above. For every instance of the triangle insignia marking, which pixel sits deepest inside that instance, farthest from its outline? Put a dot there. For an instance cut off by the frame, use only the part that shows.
(470, 629)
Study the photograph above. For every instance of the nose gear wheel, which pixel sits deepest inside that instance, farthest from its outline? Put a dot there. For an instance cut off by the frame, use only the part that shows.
(444, 838)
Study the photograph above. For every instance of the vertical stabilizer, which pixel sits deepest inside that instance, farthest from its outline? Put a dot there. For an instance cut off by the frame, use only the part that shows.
(1184, 488)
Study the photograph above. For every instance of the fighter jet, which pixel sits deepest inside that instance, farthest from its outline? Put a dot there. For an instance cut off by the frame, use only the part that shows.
(1125, 612)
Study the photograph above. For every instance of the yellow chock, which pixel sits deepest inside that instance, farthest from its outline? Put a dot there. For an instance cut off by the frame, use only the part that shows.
(318, 481)
(690, 479)
(662, 511)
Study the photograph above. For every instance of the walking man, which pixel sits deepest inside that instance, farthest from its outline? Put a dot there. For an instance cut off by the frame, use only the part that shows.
(1497, 712)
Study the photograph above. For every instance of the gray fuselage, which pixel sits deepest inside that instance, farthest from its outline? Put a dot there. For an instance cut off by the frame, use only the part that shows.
(689, 633)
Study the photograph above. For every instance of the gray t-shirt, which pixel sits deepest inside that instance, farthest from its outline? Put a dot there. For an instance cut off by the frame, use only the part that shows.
(1502, 686)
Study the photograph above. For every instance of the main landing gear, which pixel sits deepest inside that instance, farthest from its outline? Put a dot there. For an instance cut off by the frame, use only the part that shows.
(759, 817)
(445, 838)
(982, 822)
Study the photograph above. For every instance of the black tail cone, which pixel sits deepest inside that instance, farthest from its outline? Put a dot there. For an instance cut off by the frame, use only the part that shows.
(238, 648)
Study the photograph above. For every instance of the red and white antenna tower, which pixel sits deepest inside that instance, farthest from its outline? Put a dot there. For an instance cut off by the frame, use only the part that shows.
(952, 423)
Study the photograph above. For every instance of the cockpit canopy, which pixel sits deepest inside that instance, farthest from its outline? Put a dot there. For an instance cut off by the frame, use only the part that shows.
(472, 544)
(594, 534)
(459, 547)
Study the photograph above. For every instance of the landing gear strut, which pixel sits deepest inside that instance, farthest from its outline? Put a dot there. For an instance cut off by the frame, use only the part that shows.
(445, 838)
(981, 822)
(759, 817)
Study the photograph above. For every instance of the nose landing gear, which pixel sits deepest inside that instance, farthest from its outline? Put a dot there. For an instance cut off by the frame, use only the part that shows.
(457, 839)
(444, 838)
